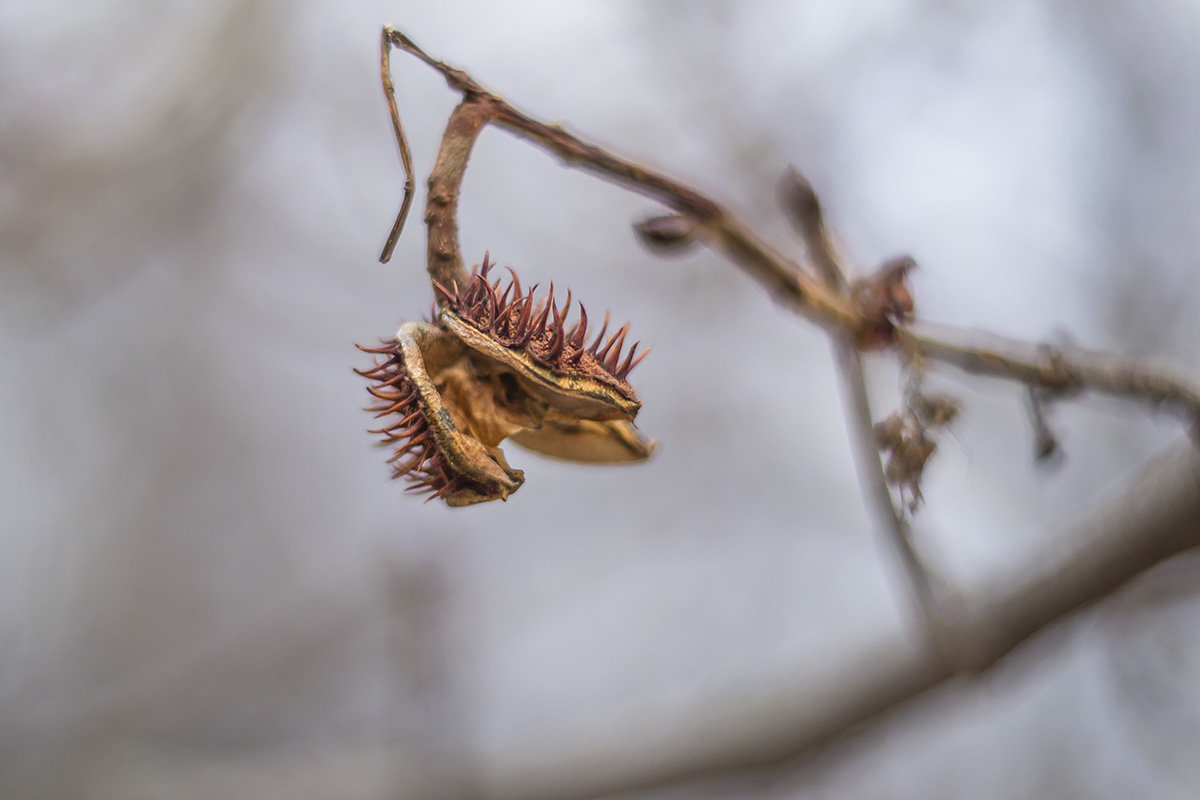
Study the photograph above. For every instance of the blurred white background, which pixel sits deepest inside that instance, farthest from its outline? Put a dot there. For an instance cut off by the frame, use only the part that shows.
(210, 588)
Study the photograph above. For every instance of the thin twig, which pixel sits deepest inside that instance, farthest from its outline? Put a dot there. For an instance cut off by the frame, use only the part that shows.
(389, 92)
(804, 211)
(445, 258)
(1059, 371)
(927, 592)
(1045, 443)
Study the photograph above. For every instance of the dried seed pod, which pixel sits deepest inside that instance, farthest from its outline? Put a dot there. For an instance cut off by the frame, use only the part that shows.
(936, 410)
(497, 364)
(885, 300)
(552, 361)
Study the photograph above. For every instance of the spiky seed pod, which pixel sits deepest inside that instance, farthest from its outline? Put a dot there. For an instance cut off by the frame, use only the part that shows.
(430, 449)
(496, 364)
(533, 338)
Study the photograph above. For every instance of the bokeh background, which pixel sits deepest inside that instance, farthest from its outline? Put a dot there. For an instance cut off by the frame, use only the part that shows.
(208, 585)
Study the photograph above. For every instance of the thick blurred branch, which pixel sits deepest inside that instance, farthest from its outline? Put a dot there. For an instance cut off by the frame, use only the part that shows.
(1156, 516)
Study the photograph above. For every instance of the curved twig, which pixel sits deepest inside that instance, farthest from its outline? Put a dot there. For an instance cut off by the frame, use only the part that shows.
(445, 258)
(389, 92)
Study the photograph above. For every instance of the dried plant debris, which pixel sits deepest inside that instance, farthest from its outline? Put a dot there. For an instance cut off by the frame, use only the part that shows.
(496, 364)
(906, 437)
(885, 300)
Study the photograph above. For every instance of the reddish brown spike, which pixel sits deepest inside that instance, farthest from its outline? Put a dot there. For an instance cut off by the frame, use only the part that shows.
(613, 340)
(516, 282)
(466, 295)
(610, 363)
(407, 465)
(390, 409)
(566, 310)
(394, 380)
(485, 267)
(557, 317)
(494, 291)
(504, 320)
(630, 362)
(614, 358)
(523, 320)
(479, 287)
(600, 336)
(504, 302)
(579, 332)
(391, 397)
(557, 339)
(474, 312)
(415, 460)
(544, 307)
(384, 409)
(451, 297)
(493, 308)
(383, 432)
(395, 432)
(410, 417)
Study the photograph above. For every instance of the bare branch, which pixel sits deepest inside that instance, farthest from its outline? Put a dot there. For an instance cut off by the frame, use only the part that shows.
(1057, 370)
(929, 594)
(444, 254)
(741, 730)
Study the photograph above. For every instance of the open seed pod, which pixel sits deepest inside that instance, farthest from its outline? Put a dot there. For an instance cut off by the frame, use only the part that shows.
(493, 365)
(444, 421)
